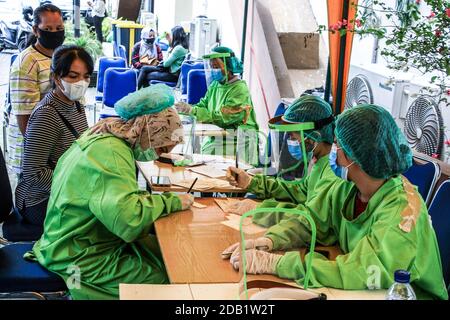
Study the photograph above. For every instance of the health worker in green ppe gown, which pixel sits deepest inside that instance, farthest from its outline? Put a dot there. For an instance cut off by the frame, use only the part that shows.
(290, 194)
(96, 232)
(227, 104)
(374, 214)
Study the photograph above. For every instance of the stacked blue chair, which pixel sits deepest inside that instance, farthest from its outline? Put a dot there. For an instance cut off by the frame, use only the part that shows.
(118, 83)
(440, 217)
(103, 64)
(186, 67)
(123, 53)
(196, 86)
(424, 176)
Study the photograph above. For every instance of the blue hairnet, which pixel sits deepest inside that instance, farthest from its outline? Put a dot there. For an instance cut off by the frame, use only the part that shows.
(309, 109)
(150, 100)
(369, 136)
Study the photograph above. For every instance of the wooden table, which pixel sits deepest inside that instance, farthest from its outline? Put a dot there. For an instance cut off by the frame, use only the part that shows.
(159, 169)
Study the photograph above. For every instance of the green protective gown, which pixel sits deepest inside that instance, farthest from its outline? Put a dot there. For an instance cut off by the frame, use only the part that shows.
(394, 232)
(296, 193)
(228, 106)
(98, 221)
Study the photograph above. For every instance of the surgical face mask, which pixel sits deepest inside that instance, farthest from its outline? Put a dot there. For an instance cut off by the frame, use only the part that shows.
(216, 74)
(340, 171)
(74, 91)
(51, 40)
(150, 41)
(144, 156)
(295, 149)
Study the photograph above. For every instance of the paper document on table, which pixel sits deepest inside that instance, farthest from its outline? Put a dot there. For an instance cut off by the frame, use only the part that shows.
(234, 222)
(199, 205)
(209, 171)
(204, 184)
(236, 206)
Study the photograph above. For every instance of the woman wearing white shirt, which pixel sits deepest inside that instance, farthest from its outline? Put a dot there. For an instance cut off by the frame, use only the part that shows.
(98, 14)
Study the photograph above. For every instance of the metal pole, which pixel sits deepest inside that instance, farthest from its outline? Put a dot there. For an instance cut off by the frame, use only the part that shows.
(76, 18)
(328, 83)
(338, 102)
(244, 31)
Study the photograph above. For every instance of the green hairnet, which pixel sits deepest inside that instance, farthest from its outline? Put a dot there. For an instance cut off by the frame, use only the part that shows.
(150, 100)
(233, 64)
(308, 109)
(369, 136)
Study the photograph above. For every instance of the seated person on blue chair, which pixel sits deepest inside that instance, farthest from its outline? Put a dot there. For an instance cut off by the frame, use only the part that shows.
(227, 103)
(146, 52)
(168, 70)
(98, 220)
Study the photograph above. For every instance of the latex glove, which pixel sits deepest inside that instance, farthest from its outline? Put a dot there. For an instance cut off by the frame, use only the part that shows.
(257, 262)
(261, 243)
(243, 206)
(187, 200)
(183, 107)
(238, 177)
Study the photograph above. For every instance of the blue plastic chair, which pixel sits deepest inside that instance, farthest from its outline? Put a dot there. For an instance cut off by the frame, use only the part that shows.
(170, 84)
(186, 67)
(20, 278)
(123, 53)
(196, 86)
(103, 64)
(424, 176)
(118, 83)
(440, 217)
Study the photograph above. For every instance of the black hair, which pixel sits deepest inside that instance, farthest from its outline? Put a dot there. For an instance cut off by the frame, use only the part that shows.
(179, 37)
(64, 56)
(37, 18)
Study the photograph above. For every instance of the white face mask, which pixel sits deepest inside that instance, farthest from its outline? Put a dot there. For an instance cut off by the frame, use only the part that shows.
(74, 91)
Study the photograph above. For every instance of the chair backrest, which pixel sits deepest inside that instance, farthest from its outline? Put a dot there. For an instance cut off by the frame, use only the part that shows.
(123, 52)
(424, 176)
(6, 205)
(186, 67)
(196, 86)
(118, 83)
(440, 217)
(105, 63)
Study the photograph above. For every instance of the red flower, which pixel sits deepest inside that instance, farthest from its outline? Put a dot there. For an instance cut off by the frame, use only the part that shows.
(447, 12)
(448, 92)
(435, 156)
(358, 23)
(344, 22)
(447, 142)
(417, 1)
(438, 33)
(432, 15)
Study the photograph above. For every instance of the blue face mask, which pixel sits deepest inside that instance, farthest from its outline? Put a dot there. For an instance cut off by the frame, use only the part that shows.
(340, 171)
(295, 149)
(217, 75)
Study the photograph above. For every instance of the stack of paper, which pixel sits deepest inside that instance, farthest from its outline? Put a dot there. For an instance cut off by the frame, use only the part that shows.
(203, 184)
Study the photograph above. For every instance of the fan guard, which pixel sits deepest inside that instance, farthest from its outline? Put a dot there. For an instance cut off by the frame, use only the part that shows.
(358, 92)
(424, 126)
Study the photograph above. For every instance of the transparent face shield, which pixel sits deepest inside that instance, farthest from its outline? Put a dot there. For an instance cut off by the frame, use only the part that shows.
(186, 148)
(291, 150)
(216, 68)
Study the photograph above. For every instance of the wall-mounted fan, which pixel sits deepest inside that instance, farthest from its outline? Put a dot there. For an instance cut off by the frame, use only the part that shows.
(424, 129)
(358, 92)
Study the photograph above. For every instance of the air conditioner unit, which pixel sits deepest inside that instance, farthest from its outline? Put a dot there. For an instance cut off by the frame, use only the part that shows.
(203, 36)
(426, 122)
(374, 83)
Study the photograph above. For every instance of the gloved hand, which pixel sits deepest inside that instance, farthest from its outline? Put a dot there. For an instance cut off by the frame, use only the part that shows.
(257, 262)
(242, 207)
(238, 177)
(261, 243)
(187, 200)
(183, 107)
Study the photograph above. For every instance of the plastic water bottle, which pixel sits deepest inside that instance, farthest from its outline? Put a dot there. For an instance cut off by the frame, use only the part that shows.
(401, 289)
